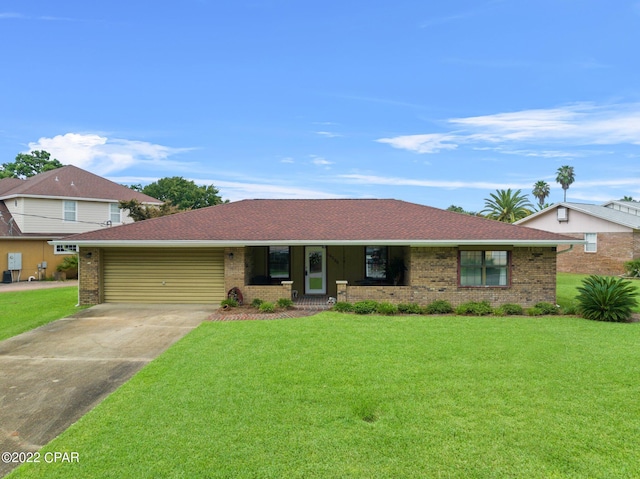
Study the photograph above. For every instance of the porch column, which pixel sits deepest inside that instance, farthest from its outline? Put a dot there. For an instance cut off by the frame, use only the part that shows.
(287, 287)
(341, 286)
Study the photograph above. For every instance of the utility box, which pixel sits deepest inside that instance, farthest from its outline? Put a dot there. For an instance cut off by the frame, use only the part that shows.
(15, 261)
(6, 277)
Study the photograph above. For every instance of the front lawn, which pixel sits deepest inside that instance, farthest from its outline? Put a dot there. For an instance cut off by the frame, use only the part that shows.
(21, 311)
(333, 396)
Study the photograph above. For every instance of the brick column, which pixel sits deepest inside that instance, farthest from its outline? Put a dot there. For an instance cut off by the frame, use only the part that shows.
(287, 287)
(89, 274)
(341, 286)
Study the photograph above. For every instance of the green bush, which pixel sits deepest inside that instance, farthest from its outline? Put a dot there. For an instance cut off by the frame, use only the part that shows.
(439, 306)
(509, 309)
(546, 308)
(256, 302)
(231, 302)
(570, 310)
(285, 303)
(633, 268)
(386, 308)
(267, 307)
(475, 308)
(409, 308)
(365, 307)
(606, 298)
(535, 312)
(343, 307)
(68, 263)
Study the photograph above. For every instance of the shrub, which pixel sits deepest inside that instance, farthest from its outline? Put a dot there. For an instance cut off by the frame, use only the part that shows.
(365, 307)
(386, 308)
(231, 302)
(343, 307)
(546, 308)
(267, 307)
(606, 298)
(68, 263)
(409, 308)
(439, 306)
(285, 303)
(535, 311)
(633, 268)
(509, 309)
(256, 302)
(475, 308)
(570, 310)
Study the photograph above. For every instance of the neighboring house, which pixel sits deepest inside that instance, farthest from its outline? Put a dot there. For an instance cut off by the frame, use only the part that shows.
(53, 205)
(611, 234)
(344, 248)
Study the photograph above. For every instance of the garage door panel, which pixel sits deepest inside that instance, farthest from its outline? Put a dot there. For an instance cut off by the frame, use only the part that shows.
(163, 276)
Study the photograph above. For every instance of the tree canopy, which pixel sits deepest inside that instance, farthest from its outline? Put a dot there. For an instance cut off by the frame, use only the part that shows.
(139, 212)
(29, 164)
(541, 191)
(566, 177)
(183, 194)
(507, 206)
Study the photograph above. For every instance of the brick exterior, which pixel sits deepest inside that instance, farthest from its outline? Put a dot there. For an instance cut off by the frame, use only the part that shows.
(613, 250)
(90, 274)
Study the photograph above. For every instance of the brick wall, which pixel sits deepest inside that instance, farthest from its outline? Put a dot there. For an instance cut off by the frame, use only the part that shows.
(613, 250)
(90, 274)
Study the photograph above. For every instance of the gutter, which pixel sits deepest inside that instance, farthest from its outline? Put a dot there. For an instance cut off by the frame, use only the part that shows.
(565, 250)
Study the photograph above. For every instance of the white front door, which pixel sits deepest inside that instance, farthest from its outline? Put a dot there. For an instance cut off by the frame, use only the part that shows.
(315, 270)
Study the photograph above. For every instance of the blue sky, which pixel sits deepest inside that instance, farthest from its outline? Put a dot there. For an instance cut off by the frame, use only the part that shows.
(428, 101)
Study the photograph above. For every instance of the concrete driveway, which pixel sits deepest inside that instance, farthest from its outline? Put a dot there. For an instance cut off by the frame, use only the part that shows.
(53, 375)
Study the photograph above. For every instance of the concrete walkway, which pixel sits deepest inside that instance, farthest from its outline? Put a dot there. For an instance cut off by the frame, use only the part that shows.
(53, 375)
(29, 285)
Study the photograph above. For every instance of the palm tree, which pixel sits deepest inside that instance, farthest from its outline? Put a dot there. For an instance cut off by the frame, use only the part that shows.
(541, 190)
(627, 198)
(507, 206)
(565, 178)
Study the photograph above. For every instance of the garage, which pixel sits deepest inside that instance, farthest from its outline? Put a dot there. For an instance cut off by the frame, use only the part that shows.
(163, 275)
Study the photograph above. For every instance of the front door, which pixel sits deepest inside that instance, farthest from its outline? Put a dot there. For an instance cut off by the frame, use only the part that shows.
(315, 270)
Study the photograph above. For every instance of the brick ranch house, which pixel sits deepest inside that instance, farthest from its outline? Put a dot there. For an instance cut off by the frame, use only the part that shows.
(351, 249)
(610, 233)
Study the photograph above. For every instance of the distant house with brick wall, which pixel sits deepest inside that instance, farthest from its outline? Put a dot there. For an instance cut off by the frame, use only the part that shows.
(610, 232)
(350, 249)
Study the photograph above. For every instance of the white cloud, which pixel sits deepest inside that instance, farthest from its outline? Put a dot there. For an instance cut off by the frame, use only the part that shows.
(100, 154)
(11, 15)
(328, 134)
(319, 161)
(579, 124)
(394, 181)
(288, 159)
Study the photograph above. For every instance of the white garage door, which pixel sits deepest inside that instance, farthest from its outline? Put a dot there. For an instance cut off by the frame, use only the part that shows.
(155, 275)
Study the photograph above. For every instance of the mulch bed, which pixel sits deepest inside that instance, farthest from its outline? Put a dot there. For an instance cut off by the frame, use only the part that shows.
(247, 313)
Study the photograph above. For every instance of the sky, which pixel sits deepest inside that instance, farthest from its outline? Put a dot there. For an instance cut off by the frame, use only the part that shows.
(434, 102)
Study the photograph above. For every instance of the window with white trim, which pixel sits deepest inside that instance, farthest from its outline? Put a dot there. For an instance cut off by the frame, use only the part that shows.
(66, 249)
(484, 268)
(114, 214)
(70, 210)
(591, 245)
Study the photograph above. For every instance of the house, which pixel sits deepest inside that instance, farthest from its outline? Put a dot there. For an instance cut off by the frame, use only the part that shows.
(50, 206)
(610, 231)
(350, 249)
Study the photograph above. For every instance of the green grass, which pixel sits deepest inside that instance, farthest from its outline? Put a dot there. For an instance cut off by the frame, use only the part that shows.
(567, 284)
(21, 311)
(333, 396)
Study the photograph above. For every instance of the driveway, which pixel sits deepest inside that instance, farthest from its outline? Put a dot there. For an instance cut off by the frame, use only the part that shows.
(53, 375)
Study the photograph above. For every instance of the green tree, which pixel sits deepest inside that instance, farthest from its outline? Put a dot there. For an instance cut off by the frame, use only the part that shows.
(541, 191)
(183, 194)
(627, 198)
(139, 212)
(507, 206)
(566, 177)
(29, 164)
(460, 209)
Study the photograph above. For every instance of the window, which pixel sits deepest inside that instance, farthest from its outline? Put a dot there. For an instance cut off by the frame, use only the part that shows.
(66, 248)
(375, 262)
(114, 214)
(279, 262)
(69, 212)
(484, 268)
(592, 242)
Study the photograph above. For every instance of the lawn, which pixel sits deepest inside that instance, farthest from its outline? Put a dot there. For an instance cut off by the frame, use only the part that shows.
(25, 310)
(333, 396)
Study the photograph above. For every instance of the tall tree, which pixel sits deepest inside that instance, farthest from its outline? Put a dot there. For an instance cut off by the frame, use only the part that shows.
(29, 164)
(565, 177)
(541, 191)
(627, 198)
(507, 206)
(138, 211)
(183, 194)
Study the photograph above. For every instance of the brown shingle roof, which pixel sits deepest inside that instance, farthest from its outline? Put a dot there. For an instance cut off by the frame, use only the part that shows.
(311, 221)
(71, 182)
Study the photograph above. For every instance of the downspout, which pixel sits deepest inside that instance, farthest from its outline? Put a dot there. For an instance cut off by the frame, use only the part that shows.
(565, 250)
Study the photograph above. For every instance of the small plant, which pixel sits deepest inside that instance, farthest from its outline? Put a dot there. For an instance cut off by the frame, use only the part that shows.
(284, 303)
(365, 307)
(509, 309)
(547, 308)
(68, 263)
(343, 307)
(440, 306)
(229, 302)
(386, 308)
(535, 312)
(572, 309)
(256, 303)
(606, 299)
(633, 268)
(267, 307)
(409, 308)
(475, 308)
